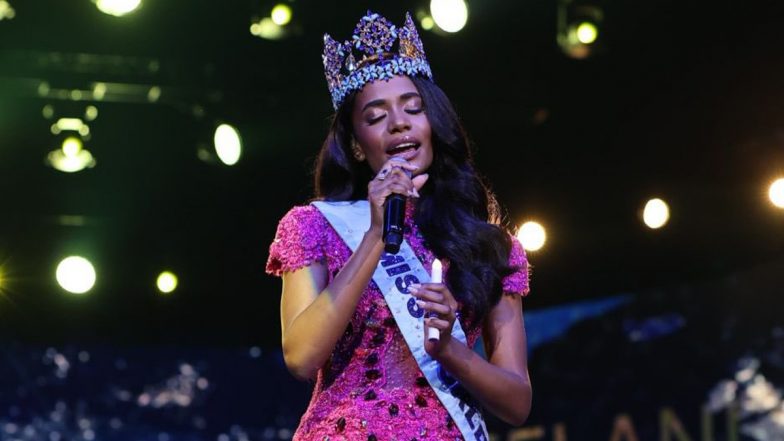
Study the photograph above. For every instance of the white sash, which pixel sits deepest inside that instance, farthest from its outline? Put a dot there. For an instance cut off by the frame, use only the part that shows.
(393, 275)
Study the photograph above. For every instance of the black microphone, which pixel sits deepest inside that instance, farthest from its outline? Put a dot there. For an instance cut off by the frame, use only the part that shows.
(394, 219)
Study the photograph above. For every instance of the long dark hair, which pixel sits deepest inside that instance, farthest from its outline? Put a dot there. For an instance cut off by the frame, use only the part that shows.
(456, 213)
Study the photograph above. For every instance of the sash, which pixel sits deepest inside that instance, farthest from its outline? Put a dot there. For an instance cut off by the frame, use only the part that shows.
(393, 275)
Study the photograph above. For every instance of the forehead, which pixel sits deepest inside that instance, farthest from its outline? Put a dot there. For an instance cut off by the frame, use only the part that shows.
(387, 90)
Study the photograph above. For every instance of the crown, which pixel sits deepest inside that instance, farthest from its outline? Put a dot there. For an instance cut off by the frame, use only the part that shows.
(374, 37)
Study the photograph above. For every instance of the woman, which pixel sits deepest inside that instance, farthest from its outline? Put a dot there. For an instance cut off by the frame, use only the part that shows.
(378, 376)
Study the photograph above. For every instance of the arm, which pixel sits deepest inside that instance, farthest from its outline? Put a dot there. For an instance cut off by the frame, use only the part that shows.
(500, 383)
(314, 315)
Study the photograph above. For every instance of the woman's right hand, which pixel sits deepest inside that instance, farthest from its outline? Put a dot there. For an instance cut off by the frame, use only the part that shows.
(391, 179)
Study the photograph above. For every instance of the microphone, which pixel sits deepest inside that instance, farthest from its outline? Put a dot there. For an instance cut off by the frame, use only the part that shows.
(394, 218)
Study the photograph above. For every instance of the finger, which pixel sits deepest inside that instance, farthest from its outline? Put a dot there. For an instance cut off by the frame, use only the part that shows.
(438, 308)
(419, 180)
(429, 296)
(401, 163)
(435, 322)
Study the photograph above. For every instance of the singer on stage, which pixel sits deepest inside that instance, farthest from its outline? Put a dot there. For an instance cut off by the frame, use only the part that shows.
(390, 352)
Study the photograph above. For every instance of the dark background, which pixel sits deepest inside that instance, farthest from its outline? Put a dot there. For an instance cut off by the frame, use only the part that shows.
(683, 101)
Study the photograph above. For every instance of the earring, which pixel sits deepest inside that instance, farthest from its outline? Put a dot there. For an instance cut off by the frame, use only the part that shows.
(359, 155)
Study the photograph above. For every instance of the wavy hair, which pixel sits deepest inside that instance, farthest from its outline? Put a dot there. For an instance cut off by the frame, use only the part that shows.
(456, 214)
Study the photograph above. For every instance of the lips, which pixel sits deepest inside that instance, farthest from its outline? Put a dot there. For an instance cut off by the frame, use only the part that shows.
(404, 148)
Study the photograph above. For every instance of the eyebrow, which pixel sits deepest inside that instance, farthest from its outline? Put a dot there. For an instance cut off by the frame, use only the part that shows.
(381, 102)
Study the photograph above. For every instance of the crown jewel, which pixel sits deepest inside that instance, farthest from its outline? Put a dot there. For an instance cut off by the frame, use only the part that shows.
(374, 38)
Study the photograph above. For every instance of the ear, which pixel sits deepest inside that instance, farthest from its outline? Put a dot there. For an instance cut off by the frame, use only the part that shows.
(359, 155)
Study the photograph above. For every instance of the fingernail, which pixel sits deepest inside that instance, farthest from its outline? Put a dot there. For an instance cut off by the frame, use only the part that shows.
(413, 290)
(420, 303)
(416, 193)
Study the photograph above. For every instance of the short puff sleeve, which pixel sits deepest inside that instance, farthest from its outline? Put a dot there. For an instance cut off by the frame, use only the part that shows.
(298, 241)
(517, 282)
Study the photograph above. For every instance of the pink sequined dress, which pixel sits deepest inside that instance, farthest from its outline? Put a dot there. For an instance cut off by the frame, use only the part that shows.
(371, 388)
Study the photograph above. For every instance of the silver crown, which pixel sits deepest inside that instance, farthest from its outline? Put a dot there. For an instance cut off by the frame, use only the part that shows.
(374, 38)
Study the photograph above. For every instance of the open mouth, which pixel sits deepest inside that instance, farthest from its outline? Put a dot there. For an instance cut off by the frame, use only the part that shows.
(403, 149)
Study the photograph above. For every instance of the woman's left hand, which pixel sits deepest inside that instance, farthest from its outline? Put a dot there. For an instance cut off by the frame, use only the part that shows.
(440, 309)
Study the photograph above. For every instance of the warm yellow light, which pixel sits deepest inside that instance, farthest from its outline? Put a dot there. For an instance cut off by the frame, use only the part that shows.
(71, 157)
(266, 28)
(71, 147)
(587, 33)
(228, 144)
(99, 91)
(117, 8)
(75, 274)
(449, 15)
(6, 11)
(167, 282)
(532, 235)
(656, 213)
(90, 113)
(281, 15)
(776, 193)
(427, 23)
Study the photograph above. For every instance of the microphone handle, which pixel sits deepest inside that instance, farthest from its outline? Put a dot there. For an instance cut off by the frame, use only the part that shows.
(394, 218)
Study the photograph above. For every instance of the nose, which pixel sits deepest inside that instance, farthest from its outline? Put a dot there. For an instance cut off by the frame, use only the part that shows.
(398, 121)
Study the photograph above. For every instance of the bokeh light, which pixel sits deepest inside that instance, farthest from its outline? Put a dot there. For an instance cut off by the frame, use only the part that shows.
(587, 33)
(228, 144)
(656, 213)
(532, 235)
(281, 14)
(776, 192)
(427, 23)
(268, 29)
(76, 274)
(72, 146)
(117, 8)
(449, 15)
(166, 282)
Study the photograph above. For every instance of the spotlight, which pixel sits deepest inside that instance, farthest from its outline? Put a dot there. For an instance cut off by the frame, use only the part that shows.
(532, 235)
(76, 274)
(167, 282)
(578, 28)
(450, 15)
(117, 8)
(656, 213)
(587, 33)
(281, 14)
(228, 144)
(776, 193)
(71, 157)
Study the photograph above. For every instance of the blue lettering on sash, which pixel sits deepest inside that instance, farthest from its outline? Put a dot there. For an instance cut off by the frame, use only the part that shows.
(391, 259)
(402, 283)
(414, 309)
(395, 270)
(479, 435)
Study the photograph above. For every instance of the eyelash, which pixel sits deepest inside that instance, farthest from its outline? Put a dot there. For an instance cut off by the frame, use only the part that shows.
(409, 111)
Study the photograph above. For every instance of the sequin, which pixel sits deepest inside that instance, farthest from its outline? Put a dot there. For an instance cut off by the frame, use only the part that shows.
(305, 237)
(340, 424)
(394, 409)
(372, 437)
(372, 374)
